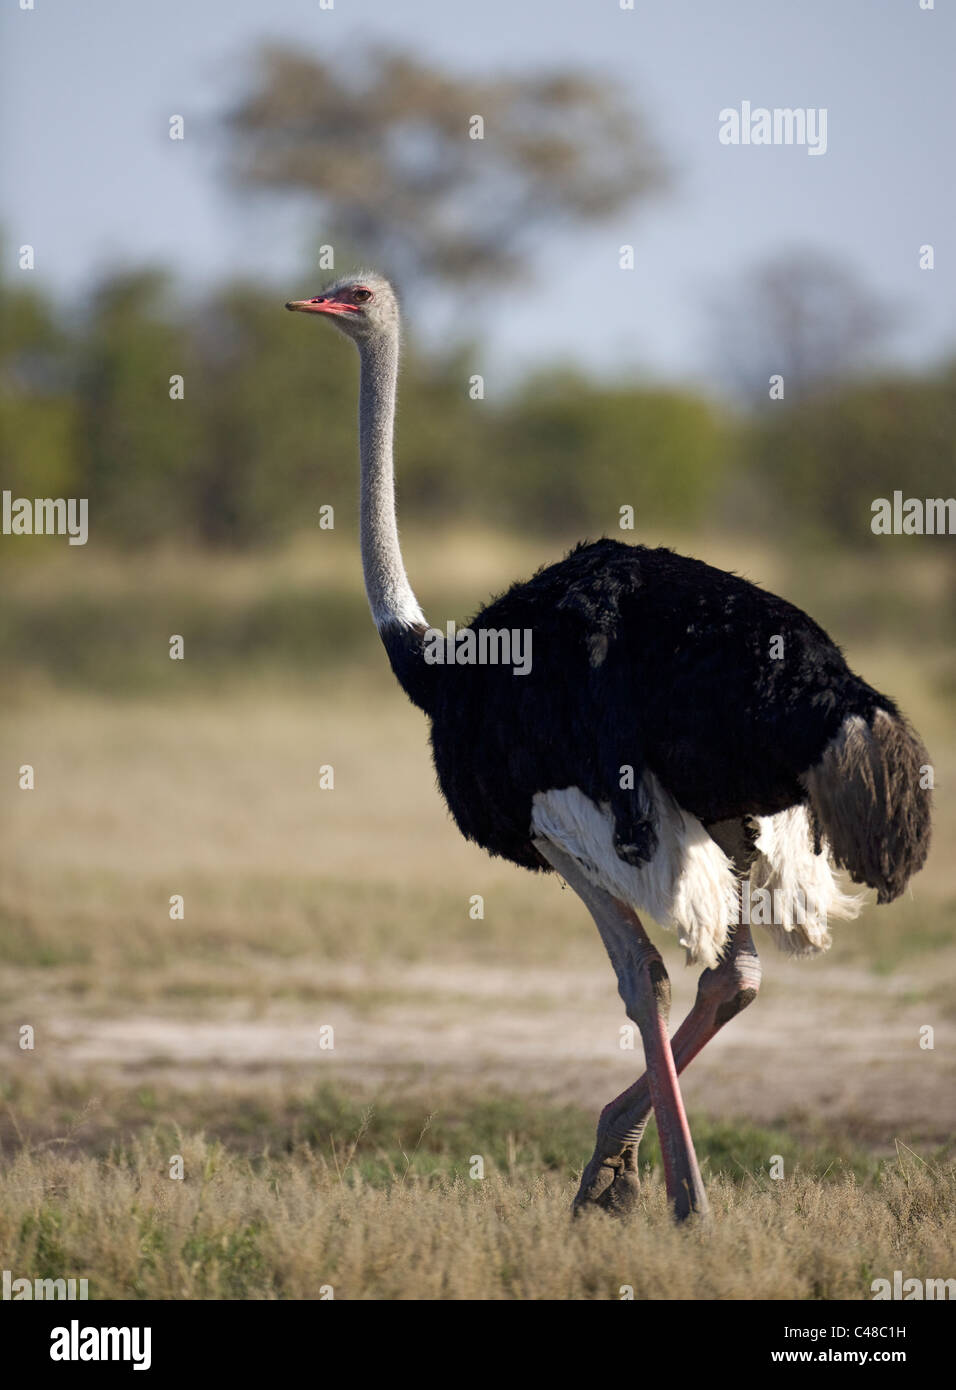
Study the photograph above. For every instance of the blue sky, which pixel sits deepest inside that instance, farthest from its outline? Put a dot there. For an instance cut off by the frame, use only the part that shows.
(90, 178)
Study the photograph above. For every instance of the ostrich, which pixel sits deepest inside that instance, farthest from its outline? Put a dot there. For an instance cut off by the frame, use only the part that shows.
(682, 740)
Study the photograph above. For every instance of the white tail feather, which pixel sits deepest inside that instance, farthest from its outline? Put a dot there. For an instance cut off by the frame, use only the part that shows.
(687, 884)
(804, 889)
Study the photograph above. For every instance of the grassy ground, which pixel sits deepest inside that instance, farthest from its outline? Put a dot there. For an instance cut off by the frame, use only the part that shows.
(454, 1037)
(384, 1202)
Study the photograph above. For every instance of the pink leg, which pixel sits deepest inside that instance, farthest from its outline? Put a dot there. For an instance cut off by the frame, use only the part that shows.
(645, 989)
(610, 1178)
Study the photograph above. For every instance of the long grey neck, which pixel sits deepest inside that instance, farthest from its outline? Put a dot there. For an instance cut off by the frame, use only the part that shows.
(390, 595)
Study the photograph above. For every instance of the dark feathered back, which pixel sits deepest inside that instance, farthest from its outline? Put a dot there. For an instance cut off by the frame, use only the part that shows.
(641, 659)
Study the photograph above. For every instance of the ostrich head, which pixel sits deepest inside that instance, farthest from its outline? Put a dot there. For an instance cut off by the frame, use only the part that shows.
(363, 305)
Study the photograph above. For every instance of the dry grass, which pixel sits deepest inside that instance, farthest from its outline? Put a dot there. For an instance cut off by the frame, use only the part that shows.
(379, 1198)
(292, 1227)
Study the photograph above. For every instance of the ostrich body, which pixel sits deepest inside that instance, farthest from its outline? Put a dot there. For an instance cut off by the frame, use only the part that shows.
(681, 740)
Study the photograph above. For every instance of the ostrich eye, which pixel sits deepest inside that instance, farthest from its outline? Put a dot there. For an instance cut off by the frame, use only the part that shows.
(361, 296)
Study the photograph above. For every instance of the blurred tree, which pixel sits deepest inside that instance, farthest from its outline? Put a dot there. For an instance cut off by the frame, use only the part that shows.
(382, 144)
(137, 448)
(803, 316)
(570, 454)
(277, 421)
(280, 425)
(37, 404)
(824, 467)
(266, 433)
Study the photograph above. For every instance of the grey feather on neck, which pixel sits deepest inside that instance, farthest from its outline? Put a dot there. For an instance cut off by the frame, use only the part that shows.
(390, 595)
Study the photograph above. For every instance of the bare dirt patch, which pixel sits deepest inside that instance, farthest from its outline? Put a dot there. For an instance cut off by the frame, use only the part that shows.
(829, 1040)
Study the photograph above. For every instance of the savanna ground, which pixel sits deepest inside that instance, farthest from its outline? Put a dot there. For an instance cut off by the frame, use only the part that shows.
(455, 1039)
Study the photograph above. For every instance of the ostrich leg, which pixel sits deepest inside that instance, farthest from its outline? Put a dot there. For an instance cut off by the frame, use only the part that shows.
(610, 1179)
(645, 989)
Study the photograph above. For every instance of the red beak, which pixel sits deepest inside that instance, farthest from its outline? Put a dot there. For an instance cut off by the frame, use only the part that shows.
(322, 305)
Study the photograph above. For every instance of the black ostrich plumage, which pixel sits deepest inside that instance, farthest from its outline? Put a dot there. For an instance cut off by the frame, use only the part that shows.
(641, 658)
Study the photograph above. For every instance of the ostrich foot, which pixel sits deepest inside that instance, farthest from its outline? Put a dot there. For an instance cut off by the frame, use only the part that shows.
(611, 1185)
